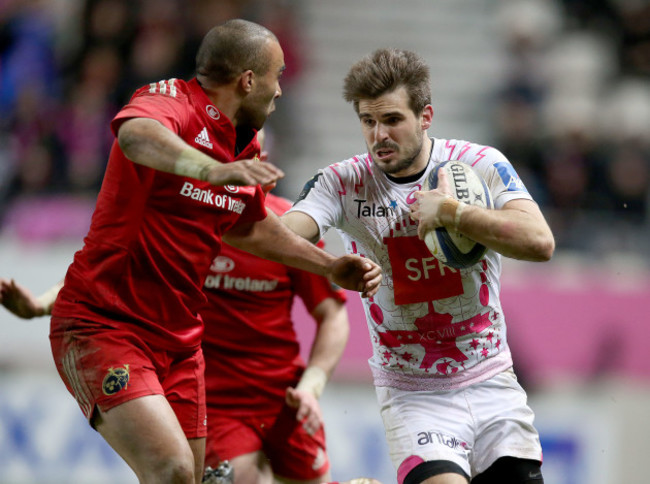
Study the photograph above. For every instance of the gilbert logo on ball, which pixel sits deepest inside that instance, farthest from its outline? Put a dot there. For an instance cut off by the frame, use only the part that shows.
(448, 246)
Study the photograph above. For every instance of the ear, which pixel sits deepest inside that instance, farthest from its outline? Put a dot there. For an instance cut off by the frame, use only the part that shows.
(247, 80)
(427, 117)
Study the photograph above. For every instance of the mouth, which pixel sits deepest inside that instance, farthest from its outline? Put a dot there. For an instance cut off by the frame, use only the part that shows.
(383, 153)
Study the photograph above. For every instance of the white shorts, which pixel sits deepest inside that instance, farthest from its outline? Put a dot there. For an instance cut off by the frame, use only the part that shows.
(472, 426)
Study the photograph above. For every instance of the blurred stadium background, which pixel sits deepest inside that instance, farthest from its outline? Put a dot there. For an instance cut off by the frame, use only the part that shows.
(562, 87)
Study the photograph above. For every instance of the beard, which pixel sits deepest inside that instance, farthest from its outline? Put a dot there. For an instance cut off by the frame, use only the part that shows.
(254, 111)
(251, 118)
(403, 163)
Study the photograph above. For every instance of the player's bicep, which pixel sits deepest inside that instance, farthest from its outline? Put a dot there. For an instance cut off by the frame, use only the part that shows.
(320, 201)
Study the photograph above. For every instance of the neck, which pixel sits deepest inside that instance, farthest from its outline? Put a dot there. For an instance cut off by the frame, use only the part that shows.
(421, 159)
(224, 97)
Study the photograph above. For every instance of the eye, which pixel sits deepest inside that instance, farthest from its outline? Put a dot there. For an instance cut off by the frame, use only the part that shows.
(367, 122)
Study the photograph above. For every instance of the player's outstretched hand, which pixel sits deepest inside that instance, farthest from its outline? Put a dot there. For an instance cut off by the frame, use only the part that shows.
(19, 300)
(244, 172)
(309, 412)
(356, 274)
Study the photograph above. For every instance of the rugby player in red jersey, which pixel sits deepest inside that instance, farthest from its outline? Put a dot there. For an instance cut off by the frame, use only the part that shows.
(182, 175)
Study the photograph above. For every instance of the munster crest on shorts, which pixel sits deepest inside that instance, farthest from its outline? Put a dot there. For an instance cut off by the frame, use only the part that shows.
(115, 380)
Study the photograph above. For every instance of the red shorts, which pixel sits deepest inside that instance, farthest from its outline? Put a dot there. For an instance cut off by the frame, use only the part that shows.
(292, 452)
(103, 367)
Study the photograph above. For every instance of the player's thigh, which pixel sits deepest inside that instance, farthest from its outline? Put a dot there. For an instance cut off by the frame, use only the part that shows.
(505, 422)
(436, 472)
(148, 436)
(103, 367)
(252, 468)
(447, 478)
(184, 387)
(428, 433)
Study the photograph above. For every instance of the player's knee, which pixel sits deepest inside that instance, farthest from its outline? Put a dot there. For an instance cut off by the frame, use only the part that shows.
(173, 470)
(511, 470)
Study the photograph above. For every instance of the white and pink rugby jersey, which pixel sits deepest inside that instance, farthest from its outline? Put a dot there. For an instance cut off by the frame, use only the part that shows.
(432, 327)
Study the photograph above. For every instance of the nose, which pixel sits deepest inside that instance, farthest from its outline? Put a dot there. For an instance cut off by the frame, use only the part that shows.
(278, 91)
(381, 132)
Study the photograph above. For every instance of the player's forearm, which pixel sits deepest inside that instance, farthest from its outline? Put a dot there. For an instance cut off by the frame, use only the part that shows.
(272, 240)
(149, 143)
(513, 232)
(332, 335)
(47, 299)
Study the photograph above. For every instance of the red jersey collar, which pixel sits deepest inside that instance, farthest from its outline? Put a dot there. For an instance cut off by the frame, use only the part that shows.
(213, 115)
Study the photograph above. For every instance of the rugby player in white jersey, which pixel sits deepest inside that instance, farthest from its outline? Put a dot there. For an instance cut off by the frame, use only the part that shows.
(452, 408)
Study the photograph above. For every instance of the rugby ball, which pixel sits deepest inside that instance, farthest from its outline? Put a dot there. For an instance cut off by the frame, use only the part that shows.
(448, 246)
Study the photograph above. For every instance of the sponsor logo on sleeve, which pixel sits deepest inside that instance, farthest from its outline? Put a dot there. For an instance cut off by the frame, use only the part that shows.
(510, 177)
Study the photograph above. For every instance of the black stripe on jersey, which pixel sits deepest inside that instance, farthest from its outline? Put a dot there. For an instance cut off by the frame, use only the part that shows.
(307, 188)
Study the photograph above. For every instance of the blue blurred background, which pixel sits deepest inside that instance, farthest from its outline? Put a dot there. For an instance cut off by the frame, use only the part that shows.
(562, 87)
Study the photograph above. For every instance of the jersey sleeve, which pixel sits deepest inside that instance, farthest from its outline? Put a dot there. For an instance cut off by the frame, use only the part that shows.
(255, 210)
(499, 174)
(169, 107)
(320, 198)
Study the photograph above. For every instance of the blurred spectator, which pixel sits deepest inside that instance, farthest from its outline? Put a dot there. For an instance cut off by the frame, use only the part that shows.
(156, 49)
(518, 138)
(635, 41)
(628, 178)
(627, 22)
(27, 57)
(572, 111)
(65, 74)
(573, 122)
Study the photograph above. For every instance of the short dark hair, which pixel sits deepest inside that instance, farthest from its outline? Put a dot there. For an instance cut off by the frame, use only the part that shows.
(384, 71)
(232, 47)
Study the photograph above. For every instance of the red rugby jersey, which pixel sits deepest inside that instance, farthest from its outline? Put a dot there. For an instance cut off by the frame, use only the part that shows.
(250, 346)
(153, 233)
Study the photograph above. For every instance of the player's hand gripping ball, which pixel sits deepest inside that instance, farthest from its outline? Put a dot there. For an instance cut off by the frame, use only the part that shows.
(448, 246)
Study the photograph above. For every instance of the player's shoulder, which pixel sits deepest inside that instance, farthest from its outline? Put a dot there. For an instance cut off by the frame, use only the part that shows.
(278, 205)
(351, 169)
(479, 156)
(173, 89)
(489, 162)
(337, 178)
